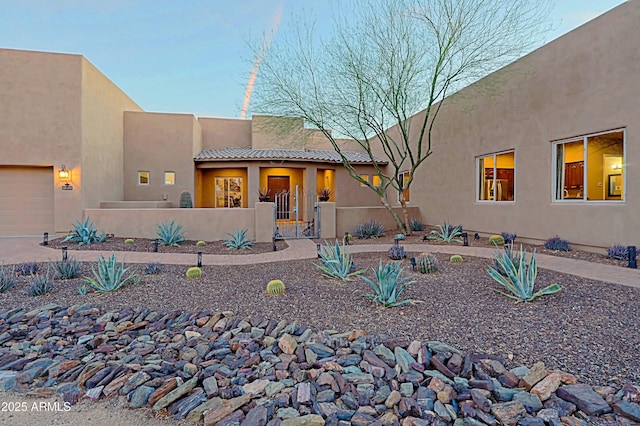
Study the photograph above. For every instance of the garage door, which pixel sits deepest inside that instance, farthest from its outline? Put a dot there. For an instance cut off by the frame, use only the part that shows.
(26, 200)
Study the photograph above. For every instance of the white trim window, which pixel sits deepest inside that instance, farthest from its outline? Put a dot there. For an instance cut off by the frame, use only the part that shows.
(496, 177)
(143, 177)
(169, 178)
(590, 168)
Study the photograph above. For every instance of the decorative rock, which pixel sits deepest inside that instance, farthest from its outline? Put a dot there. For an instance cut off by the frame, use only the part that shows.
(508, 413)
(141, 396)
(585, 399)
(530, 401)
(163, 390)
(210, 385)
(213, 416)
(393, 398)
(257, 416)
(630, 410)
(287, 344)
(256, 387)
(403, 359)
(175, 394)
(535, 374)
(287, 413)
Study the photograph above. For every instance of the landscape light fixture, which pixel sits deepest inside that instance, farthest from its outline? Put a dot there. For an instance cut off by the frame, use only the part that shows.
(275, 247)
(465, 239)
(413, 263)
(45, 239)
(318, 250)
(631, 253)
(155, 245)
(346, 238)
(199, 259)
(64, 253)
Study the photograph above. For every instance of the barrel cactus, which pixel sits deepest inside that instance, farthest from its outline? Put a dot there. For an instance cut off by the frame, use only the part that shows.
(194, 272)
(129, 241)
(456, 258)
(185, 200)
(275, 288)
(201, 244)
(496, 240)
(427, 263)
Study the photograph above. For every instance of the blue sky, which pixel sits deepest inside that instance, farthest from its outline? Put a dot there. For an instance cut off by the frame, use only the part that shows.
(187, 56)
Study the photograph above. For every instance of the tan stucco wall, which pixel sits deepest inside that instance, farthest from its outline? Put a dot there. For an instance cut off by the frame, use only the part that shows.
(584, 82)
(198, 224)
(348, 218)
(225, 132)
(103, 106)
(159, 142)
(41, 120)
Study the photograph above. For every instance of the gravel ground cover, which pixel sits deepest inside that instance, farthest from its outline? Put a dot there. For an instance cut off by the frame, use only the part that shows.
(589, 329)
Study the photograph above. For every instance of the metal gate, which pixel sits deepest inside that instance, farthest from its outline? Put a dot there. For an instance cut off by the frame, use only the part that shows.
(296, 215)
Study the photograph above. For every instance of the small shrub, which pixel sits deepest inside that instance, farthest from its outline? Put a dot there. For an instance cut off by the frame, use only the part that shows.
(367, 230)
(194, 272)
(416, 225)
(275, 287)
(169, 234)
(618, 251)
(397, 252)
(27, 268)
(238, 240)
(129, 241)
(201, 244)
(85, 233)
(519, 280)
(82, 290)
(427, 263)
(508, 237)
(152, 268)
(7, 278)
(557, 243)
(41, 284)
(496, 240)
(399, 237)
(336, 262)
(456, 258)
(388, 286)
(110, 275)
(447, 233)
(66, 269)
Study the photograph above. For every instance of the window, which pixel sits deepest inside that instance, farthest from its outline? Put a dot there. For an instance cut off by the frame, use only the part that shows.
(365, 178)
(169, 178)
(404, 177)
(228, 192)
(496, 178)
(143, 178)
(590, 168)
(375, 180)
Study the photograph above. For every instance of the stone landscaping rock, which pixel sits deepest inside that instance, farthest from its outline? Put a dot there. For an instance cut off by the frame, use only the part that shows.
(219, 368)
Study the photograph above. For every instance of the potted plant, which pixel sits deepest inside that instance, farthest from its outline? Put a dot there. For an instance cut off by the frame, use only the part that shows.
(324, 194)
(263, 194)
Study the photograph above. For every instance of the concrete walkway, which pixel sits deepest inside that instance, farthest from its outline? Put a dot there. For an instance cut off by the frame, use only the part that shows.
(18, 250)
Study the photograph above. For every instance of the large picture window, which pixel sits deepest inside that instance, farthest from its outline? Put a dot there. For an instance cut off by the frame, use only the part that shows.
(228, 192)
(590, 168)
(496, 177)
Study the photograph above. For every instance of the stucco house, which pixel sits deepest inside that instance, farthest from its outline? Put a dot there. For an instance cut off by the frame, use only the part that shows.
(543, 147)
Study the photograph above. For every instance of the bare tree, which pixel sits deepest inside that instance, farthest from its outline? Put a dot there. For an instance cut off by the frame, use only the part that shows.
(386, 61)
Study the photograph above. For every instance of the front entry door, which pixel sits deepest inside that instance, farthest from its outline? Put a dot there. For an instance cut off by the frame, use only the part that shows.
(280, 194)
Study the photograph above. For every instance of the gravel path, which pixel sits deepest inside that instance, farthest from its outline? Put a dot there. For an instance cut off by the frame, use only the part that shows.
(589, 329)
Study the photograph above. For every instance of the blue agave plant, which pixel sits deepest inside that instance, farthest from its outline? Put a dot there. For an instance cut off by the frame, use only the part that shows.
(238, 240)
(85, 233)
(169, 234)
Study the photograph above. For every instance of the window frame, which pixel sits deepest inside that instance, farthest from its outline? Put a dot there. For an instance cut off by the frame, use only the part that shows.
(364, 177)
(165, 178)
(403, 179)
(495, 167)
(584, 139)
(140, 173)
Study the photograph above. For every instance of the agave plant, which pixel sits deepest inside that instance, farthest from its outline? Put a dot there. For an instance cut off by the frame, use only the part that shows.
(388, 285)
(519, 279)
(368, 230)
(238, 240)
(7, 278)
(336, 262)
(41, 284)
(169, 234)
(447, 233)
(66, 268)
(85, 233)
(110, 275)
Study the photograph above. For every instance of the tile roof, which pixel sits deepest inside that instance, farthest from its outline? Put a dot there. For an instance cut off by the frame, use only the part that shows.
(247, 153)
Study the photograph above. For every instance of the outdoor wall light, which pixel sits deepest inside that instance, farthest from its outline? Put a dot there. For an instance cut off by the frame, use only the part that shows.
(199, 259)
(64, 175)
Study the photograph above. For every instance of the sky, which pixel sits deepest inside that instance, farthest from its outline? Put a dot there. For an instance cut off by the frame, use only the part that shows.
(188, 56)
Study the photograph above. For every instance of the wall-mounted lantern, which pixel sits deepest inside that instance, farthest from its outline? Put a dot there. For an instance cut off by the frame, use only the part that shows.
(64, 175)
